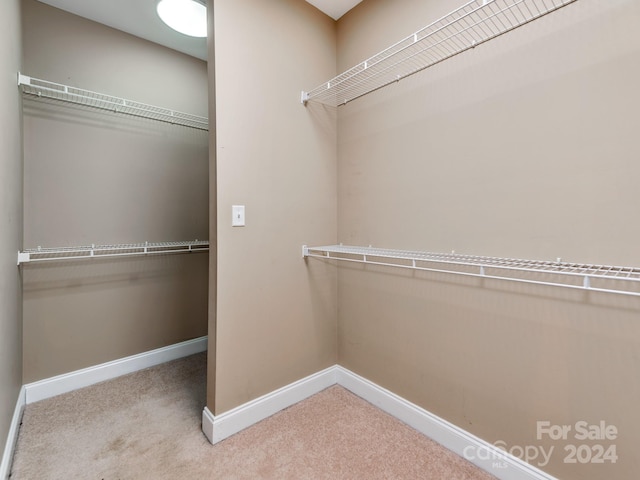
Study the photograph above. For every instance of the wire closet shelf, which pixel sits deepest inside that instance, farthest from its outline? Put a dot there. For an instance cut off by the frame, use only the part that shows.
(49, 254)
(64, 93)
(597, 278)
(470, 25)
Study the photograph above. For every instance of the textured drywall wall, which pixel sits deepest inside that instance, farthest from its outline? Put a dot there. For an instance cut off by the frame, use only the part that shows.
(276, 318)
(523, 147)
(100, 178)
(10, 214)
(213, 213)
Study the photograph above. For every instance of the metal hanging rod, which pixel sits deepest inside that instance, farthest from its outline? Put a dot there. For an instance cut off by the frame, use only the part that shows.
(467, 27)
(597, 278)
(56, 91)
(41, 254)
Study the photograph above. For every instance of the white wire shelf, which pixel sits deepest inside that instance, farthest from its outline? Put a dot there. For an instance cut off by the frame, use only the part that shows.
(467, 27)
(597, 278)
(49, 254)
(56, 91)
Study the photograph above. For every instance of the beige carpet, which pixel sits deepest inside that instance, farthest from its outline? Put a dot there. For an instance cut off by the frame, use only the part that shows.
(147, 426)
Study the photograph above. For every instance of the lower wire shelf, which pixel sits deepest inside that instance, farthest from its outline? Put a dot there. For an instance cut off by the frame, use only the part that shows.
(41, 254)
(597, 278)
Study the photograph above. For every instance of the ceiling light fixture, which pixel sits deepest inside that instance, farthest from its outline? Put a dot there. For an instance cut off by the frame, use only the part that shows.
(185, 16)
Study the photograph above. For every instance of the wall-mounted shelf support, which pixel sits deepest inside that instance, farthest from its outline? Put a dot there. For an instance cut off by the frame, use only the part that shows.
(467, 27)
(596, 278)
(49, 254)
(56, 91)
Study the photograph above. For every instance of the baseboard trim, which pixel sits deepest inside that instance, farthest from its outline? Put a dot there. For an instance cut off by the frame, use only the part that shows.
(479, 452)
(12, 436)
(217, 428)
(208, 419)
(499, 463)
(68, 382)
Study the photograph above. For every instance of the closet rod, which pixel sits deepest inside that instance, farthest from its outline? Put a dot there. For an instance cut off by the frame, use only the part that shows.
(49, 254)
(597, 278)
(464, 28)
(56, 91)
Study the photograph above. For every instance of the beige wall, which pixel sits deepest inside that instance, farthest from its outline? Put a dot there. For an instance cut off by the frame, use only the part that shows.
(523, 147)
(276, 318)
(95, 177)
(213, 213)
(10, 215)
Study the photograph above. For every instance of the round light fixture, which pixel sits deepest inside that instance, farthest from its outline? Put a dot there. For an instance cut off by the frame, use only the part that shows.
(185, 16)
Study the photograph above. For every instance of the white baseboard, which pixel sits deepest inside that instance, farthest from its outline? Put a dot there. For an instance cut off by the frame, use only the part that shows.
(481, 453)
(68, 382)
(12, 436)
(217, 428)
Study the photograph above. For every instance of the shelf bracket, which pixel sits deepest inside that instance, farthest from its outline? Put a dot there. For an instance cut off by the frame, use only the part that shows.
(23, 257)
(304, 98)
(23, 79)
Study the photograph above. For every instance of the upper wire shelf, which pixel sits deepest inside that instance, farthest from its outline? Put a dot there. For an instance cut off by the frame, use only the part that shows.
(597, 278)
(56, 91)
(41, 254)
(467, 27)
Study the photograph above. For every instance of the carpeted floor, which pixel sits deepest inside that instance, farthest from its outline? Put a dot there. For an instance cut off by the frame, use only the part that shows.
(147, 426)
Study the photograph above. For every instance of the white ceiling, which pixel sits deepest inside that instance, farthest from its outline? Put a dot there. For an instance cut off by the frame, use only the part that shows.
(334, 8)
(139, 18)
